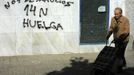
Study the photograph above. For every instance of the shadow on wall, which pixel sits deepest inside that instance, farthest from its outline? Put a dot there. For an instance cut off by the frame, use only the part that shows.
(132, 39)
(133, 45)
(80, 66)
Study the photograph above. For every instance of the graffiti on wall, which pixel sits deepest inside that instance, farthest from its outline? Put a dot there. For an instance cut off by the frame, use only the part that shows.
(32, 9)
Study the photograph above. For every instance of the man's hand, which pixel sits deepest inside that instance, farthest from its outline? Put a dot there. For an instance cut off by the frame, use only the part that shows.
(124, 36)
(118, 40)
(121, 38)
(108, 35)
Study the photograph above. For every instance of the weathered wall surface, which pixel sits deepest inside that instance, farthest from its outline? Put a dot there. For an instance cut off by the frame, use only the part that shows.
(129, 7)
(17, 37)
(17, 40)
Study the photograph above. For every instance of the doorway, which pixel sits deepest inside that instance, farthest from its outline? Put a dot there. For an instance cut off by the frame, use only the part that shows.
(94, 19)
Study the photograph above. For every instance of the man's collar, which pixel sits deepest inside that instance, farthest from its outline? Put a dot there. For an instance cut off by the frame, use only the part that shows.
(118, 20)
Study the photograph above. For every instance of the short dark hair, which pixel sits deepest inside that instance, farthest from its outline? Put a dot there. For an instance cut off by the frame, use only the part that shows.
(118, 8)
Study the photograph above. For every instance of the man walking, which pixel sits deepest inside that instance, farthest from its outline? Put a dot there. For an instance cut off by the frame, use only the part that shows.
(120, 29)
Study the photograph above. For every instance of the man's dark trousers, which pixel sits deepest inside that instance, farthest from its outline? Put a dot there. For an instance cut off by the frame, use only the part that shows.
(121, 52)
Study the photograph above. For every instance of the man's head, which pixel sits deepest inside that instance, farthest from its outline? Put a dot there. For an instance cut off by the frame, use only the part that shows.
(118, 12)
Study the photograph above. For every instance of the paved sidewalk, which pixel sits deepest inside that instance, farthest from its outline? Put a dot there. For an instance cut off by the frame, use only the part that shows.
(43, 64)
(37, 64)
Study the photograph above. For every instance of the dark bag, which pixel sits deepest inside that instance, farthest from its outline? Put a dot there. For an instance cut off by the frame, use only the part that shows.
(105, 61)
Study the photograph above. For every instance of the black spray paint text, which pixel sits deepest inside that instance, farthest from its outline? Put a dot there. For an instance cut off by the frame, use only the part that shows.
(33, 9)
(63, 2)
(38, 12)
(41, 24)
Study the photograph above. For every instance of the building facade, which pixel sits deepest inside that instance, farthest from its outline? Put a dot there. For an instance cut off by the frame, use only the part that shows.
(15, 39)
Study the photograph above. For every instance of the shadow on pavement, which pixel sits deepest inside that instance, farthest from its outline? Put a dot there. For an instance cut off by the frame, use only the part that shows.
(81, 66)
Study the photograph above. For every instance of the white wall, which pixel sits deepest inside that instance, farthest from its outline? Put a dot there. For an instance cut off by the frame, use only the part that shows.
(129, 13)
(16, 40)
